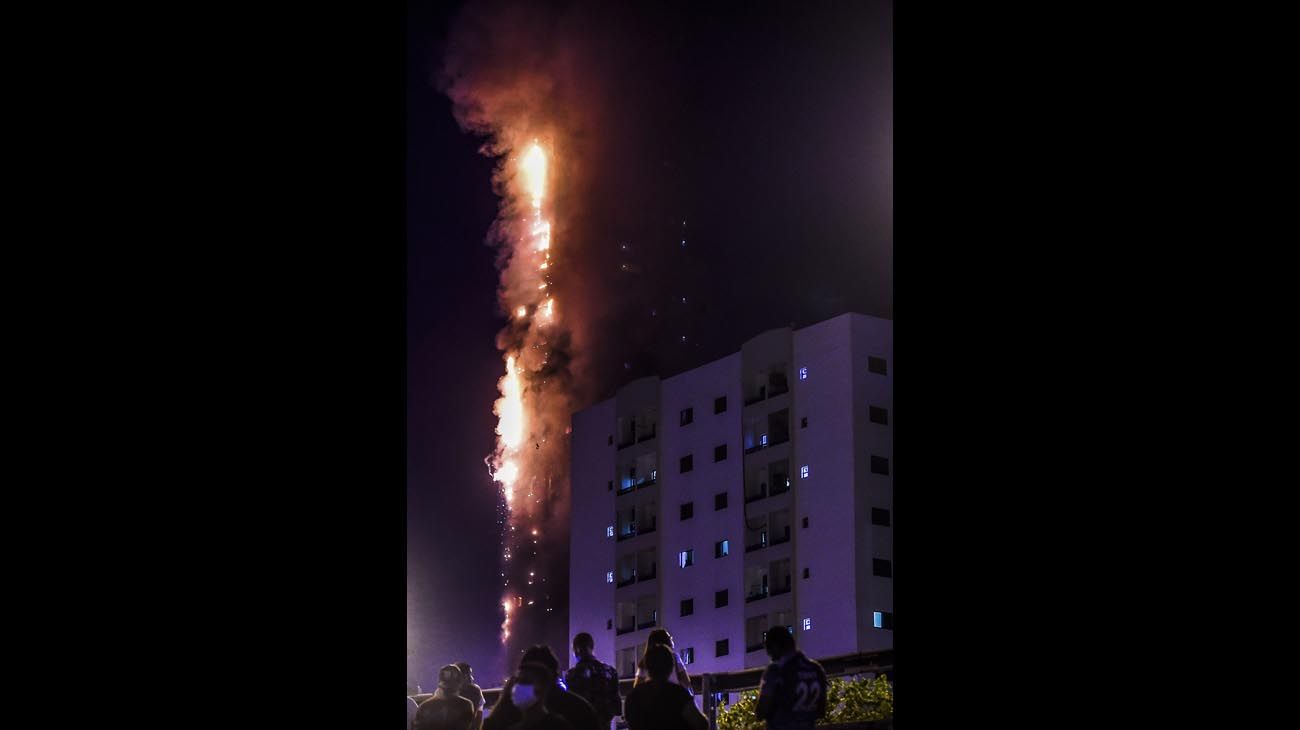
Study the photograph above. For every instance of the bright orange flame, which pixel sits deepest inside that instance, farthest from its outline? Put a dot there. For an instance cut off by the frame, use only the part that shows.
(510, 408)
(534, 167)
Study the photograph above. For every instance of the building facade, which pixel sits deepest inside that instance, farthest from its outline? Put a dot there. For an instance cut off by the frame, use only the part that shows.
(753, 491)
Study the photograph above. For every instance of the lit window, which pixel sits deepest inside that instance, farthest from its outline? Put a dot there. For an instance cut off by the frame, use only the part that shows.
(688, 655)
(762, 440)
(609, 531)
(803, 373)
(803, 471)
(722, 549)
(686, 558)
(807, 624)
(883, 620)
(609, 576)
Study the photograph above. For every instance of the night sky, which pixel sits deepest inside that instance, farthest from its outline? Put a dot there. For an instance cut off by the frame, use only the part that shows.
(768, 132)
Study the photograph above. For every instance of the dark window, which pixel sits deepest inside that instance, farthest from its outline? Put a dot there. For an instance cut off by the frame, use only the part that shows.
(882, 568)
(803, 422)
(805, 572)
(805, 522)
(688, 655)
(722, 548)
(884, 620)
(879, 516)
(720, 599)
(720, 404)
(609, 624)
(686, 416)
(722, 648)
(688, 462)
(720, 501)
(720, 452)
(688, 606)
(611, 439)
(879, 415)
(611, 485)
(879, 465)
(688, 510)
(876, 365)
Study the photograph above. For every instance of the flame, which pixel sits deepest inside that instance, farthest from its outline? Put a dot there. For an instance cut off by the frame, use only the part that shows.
(534, 169)
(510, 408)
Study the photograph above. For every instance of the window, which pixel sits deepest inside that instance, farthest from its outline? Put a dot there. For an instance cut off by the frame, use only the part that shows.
(609, 531)
(882, 568)
(720, 404)
(688, 606)
(803, 422)
(720, 599)
(878, 415)
(610, 486)
(719, 501)
(803, 373)
(762, 440)
(720, 452)
(877, 365)
(609, 624)
(879, 465)
(805, 573)
(722, 548)
(722, 647)
(807, 624)
(883, 620)
(688, 655)
(805, 523)
(803, 471)
(879, 516)
(686, 417)
(686, 558)
(686, 463)
(609, 576)
(688, 510)
(611, 439)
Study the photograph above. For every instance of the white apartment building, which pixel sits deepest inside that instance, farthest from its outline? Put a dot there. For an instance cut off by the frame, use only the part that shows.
(753, 491)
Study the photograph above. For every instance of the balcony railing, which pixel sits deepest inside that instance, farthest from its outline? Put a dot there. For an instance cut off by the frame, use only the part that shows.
(782, 590)
(775, 441)
(636, 438)
(776, 385)
(646, 483)
(760, 494)
(626, 582)
(756, 596)
(752, 548)
(753, 647)
(625, 629)
(648, 575)
(647, 625)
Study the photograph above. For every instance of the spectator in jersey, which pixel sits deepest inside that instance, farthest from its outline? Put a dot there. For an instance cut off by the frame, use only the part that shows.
(472, 692)
(594, 681)
(679, 675)
(792, 695)
(543, 680)
(658, 704)
(446, 710)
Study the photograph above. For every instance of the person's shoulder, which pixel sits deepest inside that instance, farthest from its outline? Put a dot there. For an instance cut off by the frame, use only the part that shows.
(676, 691)
(574, 700)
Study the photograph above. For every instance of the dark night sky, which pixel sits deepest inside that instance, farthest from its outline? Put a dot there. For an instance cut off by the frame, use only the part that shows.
(769, 132)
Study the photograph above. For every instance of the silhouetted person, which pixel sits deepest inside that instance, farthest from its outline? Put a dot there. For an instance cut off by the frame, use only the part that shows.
(558, 701)
(679, 675)
(446, 710)
(792, 695)
(594, 681)
(657, 704)
(527, 694)
(472, 692)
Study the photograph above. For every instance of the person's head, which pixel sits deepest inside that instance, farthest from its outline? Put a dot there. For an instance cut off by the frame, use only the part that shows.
(659, 637)
(449, 679)
(538, 669)
(779, 642)
(466, 672)
(659, 661)
(583, 645)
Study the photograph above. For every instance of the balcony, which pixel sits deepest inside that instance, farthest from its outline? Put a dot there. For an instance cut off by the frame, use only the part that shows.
(760, 494)
(636, 438)
(654, 479)
(647, 625)
(777, 384)
(774, 441)
(759, 546)
(753, 647)
(625, 629)
(627, 582)
(758, 596)
(782, 590)
(647, 575)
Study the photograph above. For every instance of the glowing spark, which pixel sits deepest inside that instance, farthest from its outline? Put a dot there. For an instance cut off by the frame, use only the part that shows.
(522, 312)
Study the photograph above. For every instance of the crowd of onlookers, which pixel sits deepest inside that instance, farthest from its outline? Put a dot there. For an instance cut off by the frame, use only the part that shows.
(537, 696)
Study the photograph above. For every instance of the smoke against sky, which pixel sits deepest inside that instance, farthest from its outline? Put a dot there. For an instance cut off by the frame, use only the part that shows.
(760, 138)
